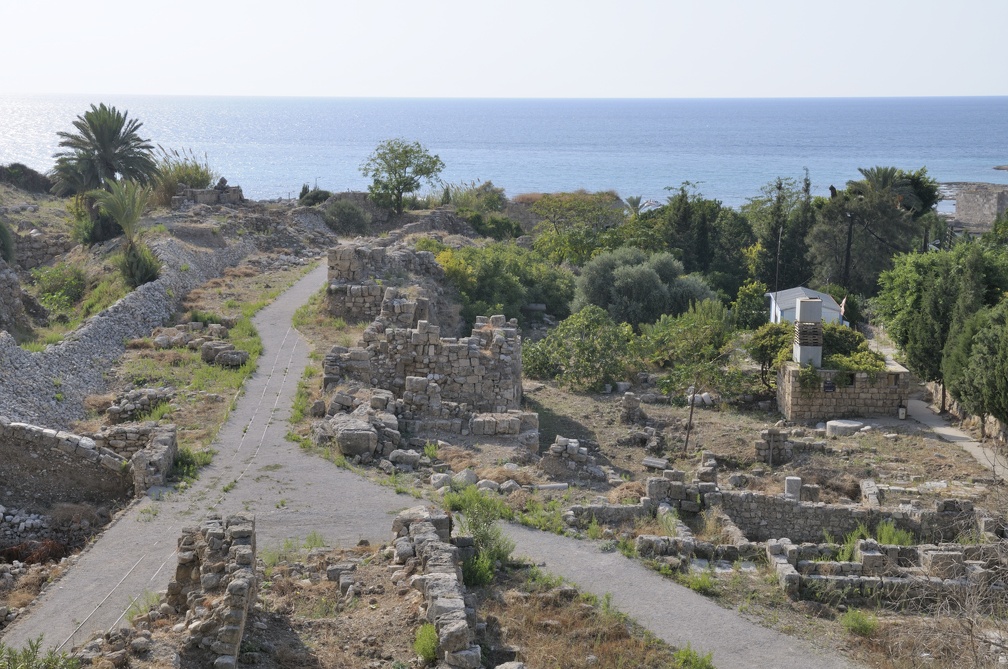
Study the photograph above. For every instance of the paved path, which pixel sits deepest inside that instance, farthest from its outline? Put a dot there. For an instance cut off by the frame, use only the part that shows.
(987, 457)
(291, 493)
(672, 612)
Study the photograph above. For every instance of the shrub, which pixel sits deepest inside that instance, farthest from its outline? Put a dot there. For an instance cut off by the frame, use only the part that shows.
(698, 335)
(6, 243)
(29, 657)
(313, 197)
(476, 197)
(584, 352)
(841, 340)
(749, 309)
(90, 226)
(501, 278)
(477, 571)
(25, 178)
(480, 514)
(430, 244)
(768, 346)
(887, 533)
(426, 642)
(138, 265)
(176, 167)
(496, 226)
(701, 583)
(859, 623)
(60, 286)
(687, 658)
(347, 218)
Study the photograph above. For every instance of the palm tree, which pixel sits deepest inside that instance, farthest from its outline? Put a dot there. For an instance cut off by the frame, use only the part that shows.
(125, 202)
(886, 181)
(633, 204)
(105, 147)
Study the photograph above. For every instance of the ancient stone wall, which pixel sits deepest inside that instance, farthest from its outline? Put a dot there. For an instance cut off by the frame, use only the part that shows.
(423, 534)
(35, 249)
(978, 204)
(229, 195)
(215, 584)
(47, 467)
(864, 396)
(762, 517)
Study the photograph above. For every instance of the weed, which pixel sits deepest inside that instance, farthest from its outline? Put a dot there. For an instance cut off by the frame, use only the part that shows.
(702, 583)
(546, 517)
(29, 657)
(668, 523)
(188, 463)
(626, 547)
(859, 623)
(314, 540)
(148, 513)
(477, 571)
(687, 658)
(480, 514)
(886, 533)
(426, 643)
(538, 580)
(141, 604)
(228, 487)
(430, 450)
(594, 530)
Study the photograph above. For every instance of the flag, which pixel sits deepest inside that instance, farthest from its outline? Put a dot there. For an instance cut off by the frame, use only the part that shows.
(843, 305)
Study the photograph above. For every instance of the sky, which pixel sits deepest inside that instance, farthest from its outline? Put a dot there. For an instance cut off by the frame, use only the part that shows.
(517, 48)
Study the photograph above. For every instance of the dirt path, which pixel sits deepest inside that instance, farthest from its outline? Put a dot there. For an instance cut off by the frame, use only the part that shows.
(987, 457)
(291, 493)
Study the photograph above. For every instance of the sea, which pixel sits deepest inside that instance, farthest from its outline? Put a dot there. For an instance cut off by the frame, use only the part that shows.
(728, 149)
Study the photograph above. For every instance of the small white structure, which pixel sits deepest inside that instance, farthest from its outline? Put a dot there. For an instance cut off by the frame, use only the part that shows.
(782, 305)
(808, 336)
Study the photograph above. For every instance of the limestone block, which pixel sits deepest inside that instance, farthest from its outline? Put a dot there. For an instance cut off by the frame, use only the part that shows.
(792, 487)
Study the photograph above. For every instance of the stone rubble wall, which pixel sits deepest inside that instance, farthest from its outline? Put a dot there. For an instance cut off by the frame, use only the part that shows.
(15, 303)
(229, 195)
(864, 397)
(424, 534)
(215, 584)
(80, 360)
(136, 402)
(36, 249)
(151, 449)
(775, 447)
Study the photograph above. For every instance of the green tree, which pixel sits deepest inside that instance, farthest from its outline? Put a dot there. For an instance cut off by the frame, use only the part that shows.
(769, 346)
(781, 217)
(964, 373)
(105, 147)
(573, 226)
(398, 167)
(750, 310)
(730, 236)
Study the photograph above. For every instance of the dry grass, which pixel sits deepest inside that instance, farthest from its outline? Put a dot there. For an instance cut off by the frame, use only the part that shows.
(98, 403)
(501, 474)
(631, 492)
(458, 458)
(66, 513)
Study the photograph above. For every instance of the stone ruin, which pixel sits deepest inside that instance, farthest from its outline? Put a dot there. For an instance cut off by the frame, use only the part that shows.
(404, 378)
(220, 194)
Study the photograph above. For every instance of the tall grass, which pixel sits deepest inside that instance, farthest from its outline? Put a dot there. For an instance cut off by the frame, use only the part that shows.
(176, 167)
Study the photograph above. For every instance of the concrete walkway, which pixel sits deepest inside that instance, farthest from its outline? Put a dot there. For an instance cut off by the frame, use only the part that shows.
(987, 457)
(670, 611)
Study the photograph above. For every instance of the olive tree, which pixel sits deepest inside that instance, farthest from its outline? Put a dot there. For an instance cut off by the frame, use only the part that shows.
(397, 168)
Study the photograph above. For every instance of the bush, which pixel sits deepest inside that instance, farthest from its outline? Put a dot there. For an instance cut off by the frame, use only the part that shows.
(687, 658)
(636, 288)
(749, 310)
(313, 197)
(584, 352)
(29, 657)
(180, 167)
(480, 514)
(477, 571)
(347, 218)
(768, 346)
(60, 286)
(6, 243)
(478, 198)
(842, 340)
(501, 278)
(90, 225)
(495, 226)
(25, 178)
(697, 335)
(138, 265)
(859, 623)
(426, 642)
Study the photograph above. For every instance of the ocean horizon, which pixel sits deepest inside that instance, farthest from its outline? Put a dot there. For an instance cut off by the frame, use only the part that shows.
(728, 148)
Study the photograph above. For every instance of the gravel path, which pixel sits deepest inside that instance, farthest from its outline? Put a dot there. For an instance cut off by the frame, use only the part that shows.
(987, 457)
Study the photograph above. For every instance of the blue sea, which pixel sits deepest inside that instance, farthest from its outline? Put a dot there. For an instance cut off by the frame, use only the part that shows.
(729, 148)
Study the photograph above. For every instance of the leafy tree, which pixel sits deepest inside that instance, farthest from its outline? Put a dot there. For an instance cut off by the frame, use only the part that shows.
(781, 217)
(963, 372)
(397, 168)
(573, 226)
(635, 287)
(730, 236)
(105, 147)
(586, 351)
(749, 310)
(769, 346)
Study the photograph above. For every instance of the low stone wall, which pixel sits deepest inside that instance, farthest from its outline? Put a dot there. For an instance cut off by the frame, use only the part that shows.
(46, 467)
(81, 359)
(215, 584)
(762, 517)
(36, 249)
(424, 534)
(230, 195)
(866, 397)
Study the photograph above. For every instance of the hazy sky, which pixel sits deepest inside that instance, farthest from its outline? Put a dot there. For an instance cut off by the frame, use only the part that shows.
(513, 48)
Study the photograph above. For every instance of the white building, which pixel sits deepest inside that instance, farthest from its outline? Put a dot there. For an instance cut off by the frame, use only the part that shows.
(782, 305)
